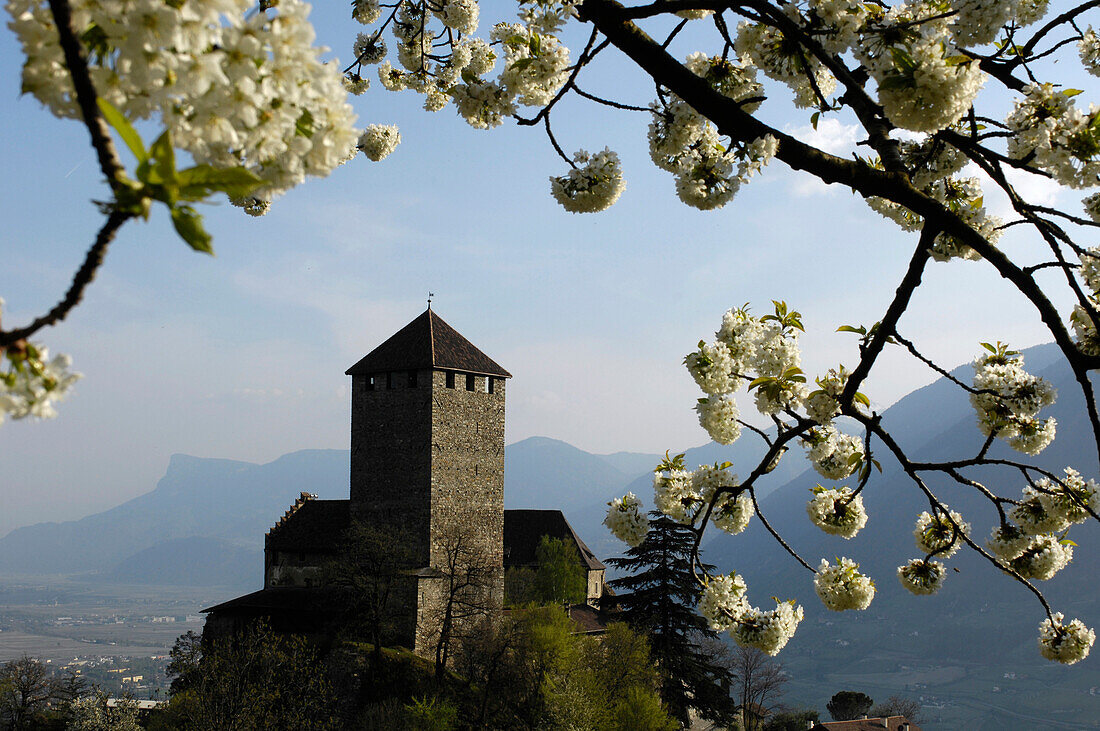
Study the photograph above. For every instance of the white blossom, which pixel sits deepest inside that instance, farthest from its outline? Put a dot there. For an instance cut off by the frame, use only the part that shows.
(723, 601)
(593, 185)
(712, 368)
(1045, 556)
(379, 140)
(1062, 140)
(935, 534)
(836, 511)
(921, 576)
(1065, 643)
(822, 405)
(718, 415)
(1089, 49)
(732, 514)
(625, 519)
(785, 62)
(834, 455)
(1010, 399)
(768, 631)
(1008, 542)
(675, 496)
(231, 87)
(842, 587)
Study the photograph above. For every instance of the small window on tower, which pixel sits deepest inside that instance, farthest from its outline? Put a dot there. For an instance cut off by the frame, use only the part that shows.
(370, 383)
(469, 381)
(450, 379)
(412, 379)
(489, 384)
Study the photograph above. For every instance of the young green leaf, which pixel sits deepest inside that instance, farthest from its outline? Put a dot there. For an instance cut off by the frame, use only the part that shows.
(189, 226)
(125, 130)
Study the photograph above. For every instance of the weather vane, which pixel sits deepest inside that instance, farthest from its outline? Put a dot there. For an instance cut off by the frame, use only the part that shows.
(430, 295)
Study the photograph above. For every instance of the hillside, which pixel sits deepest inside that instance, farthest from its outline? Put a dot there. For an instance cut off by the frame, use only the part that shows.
(955, 646)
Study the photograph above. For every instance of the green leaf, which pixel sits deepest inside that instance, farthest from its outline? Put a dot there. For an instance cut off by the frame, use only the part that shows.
(877, 464)
(1072, 92)
(304, 126)
(200, 181)
(189, 226)
(860, 398)
(761, 381)
(861, 330)
(125, 130)
(814, 119)
(989, 347)
(164, 160)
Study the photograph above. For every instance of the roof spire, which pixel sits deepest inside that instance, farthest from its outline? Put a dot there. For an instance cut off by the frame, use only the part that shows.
(430, 295)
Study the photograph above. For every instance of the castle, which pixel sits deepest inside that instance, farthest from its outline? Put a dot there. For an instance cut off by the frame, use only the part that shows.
(427, 459)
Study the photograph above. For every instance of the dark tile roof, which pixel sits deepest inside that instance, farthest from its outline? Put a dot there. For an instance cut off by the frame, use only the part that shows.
(278, 599)
(587, 620)
(524, 528)
(310, 525)
(427, 342)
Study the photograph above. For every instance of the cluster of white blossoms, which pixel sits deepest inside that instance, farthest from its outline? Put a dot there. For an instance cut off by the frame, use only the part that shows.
(718, 414)
(768, 631)
(723, 600)
(1065, 643)
(834, 455)
(724, 604)
(708, 173)
(1044, 556)
(1084, 328)
(937, 534)
(232, 87)
(747, 347)
(964, 197)
(379, 140)
(446, 63)
(594, 184)
(921, 576)
(675, 496)
(1010, 399)
(842, 587)
(34, 382)
(837, 511)
(625, 519)
(732, 514)
(1089, 49)
(788, 63)
(822, 405)
(1049, 129)
(924, 82)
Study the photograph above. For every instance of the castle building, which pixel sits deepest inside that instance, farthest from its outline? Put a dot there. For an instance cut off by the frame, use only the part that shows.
(427, 462)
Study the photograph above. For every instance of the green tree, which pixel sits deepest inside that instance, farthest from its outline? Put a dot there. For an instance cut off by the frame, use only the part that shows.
(183, 663)
(849, 704)
(560, 578)
(366, 579)
(897, 705)
(658, 597)
(26, 693)
(256, 679)
(798, 720)
(92, 713)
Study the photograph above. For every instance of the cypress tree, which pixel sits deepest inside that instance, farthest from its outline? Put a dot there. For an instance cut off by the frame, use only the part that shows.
(658, 597)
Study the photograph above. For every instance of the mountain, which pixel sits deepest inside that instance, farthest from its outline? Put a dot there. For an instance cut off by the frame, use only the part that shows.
(230, 501)
(205, 521)
(954, 647)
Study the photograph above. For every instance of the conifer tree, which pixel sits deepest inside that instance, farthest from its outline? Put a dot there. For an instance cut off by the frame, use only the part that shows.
(658, 597)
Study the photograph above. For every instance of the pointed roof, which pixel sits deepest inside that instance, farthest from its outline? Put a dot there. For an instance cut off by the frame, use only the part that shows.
(427, 342)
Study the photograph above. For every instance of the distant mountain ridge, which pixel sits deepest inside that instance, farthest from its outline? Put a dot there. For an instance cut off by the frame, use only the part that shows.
(204, 523)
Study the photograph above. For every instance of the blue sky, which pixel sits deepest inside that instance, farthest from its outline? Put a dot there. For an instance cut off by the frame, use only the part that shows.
(242, 355)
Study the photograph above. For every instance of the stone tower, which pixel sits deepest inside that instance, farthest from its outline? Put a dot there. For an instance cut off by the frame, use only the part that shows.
(427, 457)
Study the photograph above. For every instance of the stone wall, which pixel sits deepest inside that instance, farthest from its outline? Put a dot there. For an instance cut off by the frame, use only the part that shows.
(428, 458)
